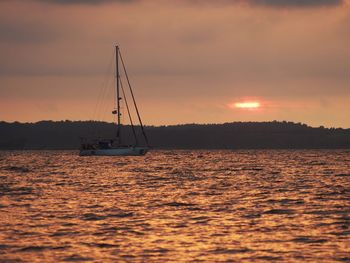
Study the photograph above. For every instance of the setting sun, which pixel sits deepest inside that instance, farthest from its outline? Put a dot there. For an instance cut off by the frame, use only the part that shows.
(247, 105)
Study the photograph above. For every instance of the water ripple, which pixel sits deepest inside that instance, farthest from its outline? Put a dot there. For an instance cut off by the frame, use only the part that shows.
(180, 206)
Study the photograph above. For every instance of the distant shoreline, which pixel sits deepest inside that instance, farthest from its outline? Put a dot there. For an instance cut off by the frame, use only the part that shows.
(169, 125)
(65, 135)
(184, 150)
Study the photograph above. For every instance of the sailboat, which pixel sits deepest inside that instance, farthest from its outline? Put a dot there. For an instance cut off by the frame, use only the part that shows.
(115, 146)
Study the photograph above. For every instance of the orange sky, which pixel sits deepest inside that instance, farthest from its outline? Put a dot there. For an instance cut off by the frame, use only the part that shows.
(188, 60)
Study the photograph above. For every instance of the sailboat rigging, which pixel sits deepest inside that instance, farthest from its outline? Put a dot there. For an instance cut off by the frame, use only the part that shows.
(115, 147)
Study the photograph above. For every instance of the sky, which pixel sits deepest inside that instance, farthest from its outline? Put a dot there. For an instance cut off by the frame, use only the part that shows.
(189, 61)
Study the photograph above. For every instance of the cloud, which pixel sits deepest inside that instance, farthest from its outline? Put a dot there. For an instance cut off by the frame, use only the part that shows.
(267, 3)
(272, 3)
(87, 2)
(296, 3)
(31, 32)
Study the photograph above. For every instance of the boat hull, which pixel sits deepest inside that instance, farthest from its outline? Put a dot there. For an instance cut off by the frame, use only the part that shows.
(125, 151)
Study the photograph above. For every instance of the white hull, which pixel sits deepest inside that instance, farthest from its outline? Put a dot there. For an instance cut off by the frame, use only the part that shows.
(123, 151)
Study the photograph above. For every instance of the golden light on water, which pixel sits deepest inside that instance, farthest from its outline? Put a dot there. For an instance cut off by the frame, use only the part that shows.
(232, 206)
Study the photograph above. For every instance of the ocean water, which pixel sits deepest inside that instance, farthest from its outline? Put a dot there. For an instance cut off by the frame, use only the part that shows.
(175, 206)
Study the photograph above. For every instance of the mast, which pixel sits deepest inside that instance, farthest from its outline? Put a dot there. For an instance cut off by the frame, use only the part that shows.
(118, 97)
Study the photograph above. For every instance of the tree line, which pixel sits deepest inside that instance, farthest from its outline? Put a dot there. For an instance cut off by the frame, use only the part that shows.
(235, 135)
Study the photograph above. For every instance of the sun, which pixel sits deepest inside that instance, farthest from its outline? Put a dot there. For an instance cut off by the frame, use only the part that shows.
(247, 105)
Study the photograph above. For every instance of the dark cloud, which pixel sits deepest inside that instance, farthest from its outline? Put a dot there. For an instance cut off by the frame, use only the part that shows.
(29, 32)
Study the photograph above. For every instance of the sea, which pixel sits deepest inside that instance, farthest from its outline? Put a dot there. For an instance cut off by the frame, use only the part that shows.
(176, 206)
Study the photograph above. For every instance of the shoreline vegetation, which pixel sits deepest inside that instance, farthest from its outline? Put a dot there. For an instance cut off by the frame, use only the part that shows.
(66, 135)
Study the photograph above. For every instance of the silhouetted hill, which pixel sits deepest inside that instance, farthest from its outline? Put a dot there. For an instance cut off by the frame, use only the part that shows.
(237, 135)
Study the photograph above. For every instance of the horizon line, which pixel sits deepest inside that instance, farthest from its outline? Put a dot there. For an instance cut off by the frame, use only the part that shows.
(178, 124)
